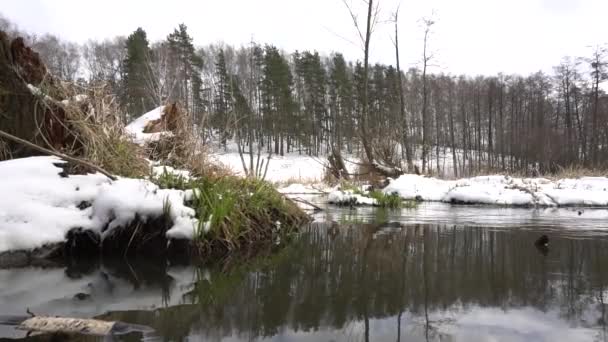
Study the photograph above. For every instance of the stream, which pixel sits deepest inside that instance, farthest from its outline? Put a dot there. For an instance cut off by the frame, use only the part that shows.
(434, 273)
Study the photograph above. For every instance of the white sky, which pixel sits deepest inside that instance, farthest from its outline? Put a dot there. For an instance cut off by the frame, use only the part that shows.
(471, 36)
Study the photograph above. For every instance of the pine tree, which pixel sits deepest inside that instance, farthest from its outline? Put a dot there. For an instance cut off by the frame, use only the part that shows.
(277, 98)
(136, 98)
(341, 99)
(223, 97)
(313, 78)
(188, 71)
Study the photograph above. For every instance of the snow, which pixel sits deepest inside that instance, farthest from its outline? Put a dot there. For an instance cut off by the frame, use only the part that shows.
(38, 92)
(159, 170)
(39, 207)
(290, 168)
(136, 128)
(504, 190)
(282, 169)
(348, 197)
(75, 99)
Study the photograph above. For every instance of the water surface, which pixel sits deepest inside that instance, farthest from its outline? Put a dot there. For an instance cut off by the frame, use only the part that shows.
(436, 273)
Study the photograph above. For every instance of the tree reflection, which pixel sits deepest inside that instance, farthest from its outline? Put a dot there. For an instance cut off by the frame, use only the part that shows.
(328, 279)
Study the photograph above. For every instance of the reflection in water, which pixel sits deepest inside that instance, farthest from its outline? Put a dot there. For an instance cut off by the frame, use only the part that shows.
(373, 282)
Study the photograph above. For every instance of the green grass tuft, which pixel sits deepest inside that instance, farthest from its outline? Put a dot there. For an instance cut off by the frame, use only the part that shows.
(234, 212)
(350, 186)
(386, 200)
(169, 180)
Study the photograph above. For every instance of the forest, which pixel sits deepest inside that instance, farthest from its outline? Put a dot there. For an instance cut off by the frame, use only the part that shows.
(315, 104)
(169, 186)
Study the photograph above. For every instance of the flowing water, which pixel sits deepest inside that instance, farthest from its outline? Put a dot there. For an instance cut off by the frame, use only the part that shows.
(435, 273)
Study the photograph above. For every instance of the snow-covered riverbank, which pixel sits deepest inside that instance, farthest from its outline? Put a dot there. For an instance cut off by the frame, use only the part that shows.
(504, 190)
(38, 206)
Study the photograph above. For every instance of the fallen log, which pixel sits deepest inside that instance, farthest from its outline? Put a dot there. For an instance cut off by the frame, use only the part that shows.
(66, 325)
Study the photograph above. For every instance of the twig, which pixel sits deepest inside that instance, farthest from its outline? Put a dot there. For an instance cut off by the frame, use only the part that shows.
(297, 199)
(56, 154)
(319, 190)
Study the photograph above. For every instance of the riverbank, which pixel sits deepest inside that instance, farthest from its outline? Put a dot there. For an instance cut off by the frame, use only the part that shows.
(493, 190)
(55, 214)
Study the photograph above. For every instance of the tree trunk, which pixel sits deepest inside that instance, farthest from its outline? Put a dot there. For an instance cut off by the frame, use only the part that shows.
(364, 112)
(406, 143)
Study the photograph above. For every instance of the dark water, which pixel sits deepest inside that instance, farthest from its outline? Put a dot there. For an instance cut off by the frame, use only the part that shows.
(436, 273)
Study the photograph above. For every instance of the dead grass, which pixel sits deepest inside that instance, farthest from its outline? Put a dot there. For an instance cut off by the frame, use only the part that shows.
(576, 172)
(299, 180)
(94, 133)
(182, 148)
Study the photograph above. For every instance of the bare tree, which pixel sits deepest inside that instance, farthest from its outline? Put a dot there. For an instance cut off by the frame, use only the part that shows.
(426, 58)
(159, 78)
(62, 58)
(565, 78)
(365, 38)
(10, 28)
(104, 60)
(598, 72)
(406, 142)
(372, 19)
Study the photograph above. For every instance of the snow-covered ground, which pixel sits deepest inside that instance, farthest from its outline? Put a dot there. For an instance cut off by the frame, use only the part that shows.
(38, 206)
(290, 168)
(504, 190)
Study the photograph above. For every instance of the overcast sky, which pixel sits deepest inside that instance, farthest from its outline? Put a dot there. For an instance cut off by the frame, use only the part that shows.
(471, 36)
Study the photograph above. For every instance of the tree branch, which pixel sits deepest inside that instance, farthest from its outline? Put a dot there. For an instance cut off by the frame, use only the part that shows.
(56, 154)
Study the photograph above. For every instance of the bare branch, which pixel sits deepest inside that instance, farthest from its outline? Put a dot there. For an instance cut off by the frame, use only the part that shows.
(341, 37)
(56, 154)
(355, 21)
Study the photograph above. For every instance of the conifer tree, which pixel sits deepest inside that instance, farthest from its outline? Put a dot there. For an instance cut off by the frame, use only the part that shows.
(223, 97)
(136, 98)
(188, 71)
(341, 102)
(313, 76)
(277, 99)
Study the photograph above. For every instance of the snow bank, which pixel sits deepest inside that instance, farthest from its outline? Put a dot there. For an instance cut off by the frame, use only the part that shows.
(136, 128)
(504, 190)
(38, 206)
